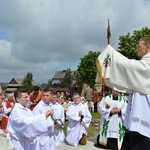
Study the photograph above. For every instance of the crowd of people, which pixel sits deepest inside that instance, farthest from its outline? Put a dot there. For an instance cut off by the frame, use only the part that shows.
(22, 112)
(35, 121)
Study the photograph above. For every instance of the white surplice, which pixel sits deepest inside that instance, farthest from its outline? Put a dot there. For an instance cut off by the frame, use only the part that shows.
(58, 132)
(111, 126)
(137, 118)
(25, 126)
(75, 130)
(45, 141)
(118, 71)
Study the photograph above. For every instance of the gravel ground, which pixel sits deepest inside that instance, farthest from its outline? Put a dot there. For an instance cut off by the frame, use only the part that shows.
(88, 146)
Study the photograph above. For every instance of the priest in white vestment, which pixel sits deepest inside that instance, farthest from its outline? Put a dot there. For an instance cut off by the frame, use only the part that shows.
(112, 109)
(45, 141)
(25, 126)
(79, 118)
(115, 70)
(59, 113)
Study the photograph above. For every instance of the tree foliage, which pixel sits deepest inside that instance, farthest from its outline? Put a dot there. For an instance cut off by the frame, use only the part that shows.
(27, 82)
(128, 43)
(67, 80)
(3, 86)
(87, 69)
(49, 84)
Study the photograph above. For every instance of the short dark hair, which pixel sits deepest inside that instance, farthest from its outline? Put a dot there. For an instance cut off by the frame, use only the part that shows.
(36, 87)
(47, 89)
(18, 92)
(54, 92)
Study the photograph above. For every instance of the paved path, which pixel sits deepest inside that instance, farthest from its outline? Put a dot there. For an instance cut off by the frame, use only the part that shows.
(88, 146)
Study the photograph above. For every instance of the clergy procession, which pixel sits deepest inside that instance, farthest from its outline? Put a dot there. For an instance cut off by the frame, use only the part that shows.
(36, 120)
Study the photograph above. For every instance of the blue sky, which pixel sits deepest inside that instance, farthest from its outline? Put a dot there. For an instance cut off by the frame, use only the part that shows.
(44, 36)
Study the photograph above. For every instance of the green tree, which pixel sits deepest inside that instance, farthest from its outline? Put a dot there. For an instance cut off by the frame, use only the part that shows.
(128, 43)
(49, 84)
(3, 86)
(27, 82)
(86, 71)
(67, 80)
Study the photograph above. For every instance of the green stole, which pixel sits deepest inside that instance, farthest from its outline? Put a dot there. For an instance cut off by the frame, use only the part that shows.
(121, 130)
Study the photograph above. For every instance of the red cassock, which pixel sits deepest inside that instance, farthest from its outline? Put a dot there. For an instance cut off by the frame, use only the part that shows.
(5, 118)
(36, 100)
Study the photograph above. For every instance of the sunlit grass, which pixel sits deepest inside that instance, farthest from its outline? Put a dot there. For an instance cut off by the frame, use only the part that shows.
(95, 115)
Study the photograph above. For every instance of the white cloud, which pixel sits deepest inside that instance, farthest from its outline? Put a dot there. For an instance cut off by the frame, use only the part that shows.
(43, 36)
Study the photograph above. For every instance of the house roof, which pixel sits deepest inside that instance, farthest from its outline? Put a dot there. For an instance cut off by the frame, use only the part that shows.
(18, 82)
(56, 81)
(59, 74)
(10, 89)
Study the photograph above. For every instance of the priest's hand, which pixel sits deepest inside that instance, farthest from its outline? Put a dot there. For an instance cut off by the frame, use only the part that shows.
(115, 110)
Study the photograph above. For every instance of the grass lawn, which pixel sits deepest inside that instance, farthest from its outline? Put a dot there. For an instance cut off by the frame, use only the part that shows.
(95, 115)
(92, 130)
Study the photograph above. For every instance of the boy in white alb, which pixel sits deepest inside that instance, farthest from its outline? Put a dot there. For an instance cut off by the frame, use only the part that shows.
(59, 113)
(79, 118)
(45, 141)
(25, 126)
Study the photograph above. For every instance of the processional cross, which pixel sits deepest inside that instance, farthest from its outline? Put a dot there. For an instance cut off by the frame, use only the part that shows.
(108, 32)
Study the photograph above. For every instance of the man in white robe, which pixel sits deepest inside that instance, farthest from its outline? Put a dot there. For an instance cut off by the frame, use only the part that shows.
(79, 118)
(112, 109)
(5, 142)
(59, 113)
(45, 141)
(116, 70)
(25, 126)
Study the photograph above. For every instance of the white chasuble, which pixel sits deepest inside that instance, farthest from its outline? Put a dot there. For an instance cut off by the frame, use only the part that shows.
(115, 70)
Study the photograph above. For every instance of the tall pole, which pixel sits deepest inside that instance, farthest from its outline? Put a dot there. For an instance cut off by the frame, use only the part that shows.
(108, 33)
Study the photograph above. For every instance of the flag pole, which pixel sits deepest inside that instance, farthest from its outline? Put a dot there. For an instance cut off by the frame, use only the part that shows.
(108, 32)
(108, 38)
